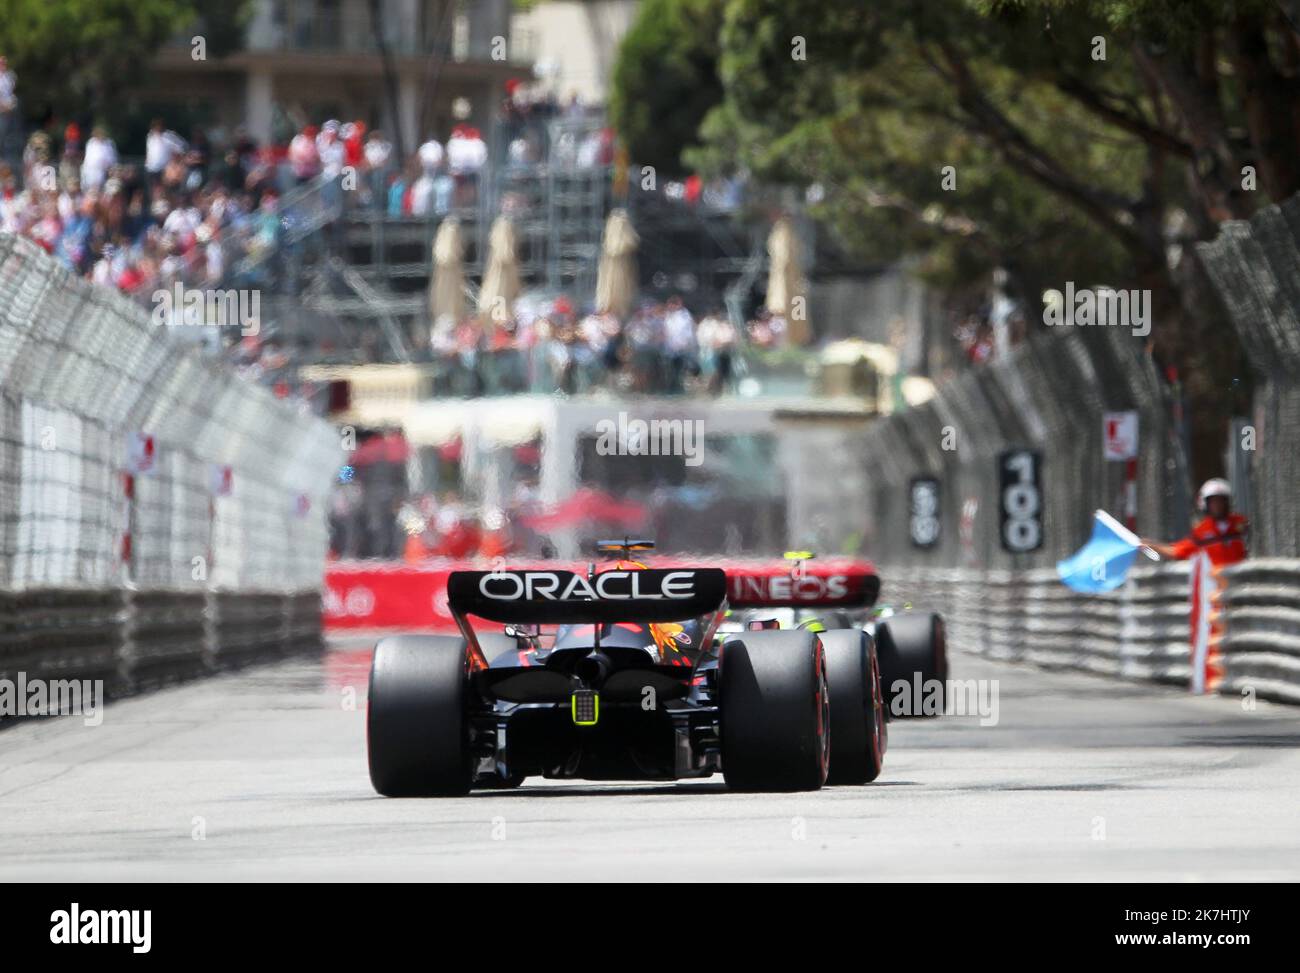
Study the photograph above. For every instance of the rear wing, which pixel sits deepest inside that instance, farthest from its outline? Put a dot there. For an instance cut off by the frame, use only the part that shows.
(837, 583)
(548, 597)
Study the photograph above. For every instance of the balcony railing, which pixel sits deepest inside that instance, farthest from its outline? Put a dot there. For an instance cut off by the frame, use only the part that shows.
(351, 33)
(338, 33)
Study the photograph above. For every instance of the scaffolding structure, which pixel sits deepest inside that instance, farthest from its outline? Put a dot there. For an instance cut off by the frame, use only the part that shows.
(557, 179)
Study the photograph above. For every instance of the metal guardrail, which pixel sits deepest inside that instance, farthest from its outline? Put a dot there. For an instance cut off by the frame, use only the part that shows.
(62, 634)
(1140, 632)
(1262, 639)
(138, 639)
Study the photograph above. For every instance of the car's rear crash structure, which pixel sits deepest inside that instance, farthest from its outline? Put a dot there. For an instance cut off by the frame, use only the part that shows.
(637, 684)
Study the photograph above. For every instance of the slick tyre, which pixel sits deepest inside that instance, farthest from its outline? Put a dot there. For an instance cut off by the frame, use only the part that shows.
(774, 712)
(416, 735)
(858, 733)
(913, 651)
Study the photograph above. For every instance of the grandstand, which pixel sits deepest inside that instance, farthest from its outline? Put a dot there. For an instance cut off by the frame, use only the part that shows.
(370, 269)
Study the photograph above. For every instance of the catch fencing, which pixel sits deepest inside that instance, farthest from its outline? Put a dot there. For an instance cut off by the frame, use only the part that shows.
(1255, 267)
(1048, 398)
(158, 514)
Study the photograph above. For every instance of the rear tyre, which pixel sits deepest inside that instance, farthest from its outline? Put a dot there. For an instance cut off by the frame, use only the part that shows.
(913, 663)
(415, 718)
(775, 712)
(857, 707)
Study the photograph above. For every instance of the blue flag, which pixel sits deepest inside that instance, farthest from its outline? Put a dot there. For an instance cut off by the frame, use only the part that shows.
(1102, 564)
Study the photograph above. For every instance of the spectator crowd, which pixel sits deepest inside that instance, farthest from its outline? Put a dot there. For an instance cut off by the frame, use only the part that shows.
(142, 224)
(660, 348)
(189, 209)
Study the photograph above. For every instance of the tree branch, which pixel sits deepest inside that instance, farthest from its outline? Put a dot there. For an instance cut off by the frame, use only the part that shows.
(1193, 91)
(1095, 102)
(1103, 207)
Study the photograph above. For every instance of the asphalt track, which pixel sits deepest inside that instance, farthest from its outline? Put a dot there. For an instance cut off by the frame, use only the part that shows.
(261, 775)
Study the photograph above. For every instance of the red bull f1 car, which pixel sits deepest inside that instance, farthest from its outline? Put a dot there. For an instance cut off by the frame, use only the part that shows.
(622, 671)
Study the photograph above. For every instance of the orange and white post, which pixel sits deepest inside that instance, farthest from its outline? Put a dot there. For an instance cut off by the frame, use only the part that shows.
(1207, 625)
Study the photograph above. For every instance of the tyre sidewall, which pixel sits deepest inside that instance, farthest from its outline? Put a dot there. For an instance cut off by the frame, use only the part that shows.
(774, 711)
(416, 734)
(857, 709)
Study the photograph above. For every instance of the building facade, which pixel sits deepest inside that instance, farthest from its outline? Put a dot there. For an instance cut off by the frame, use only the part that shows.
(302, 61)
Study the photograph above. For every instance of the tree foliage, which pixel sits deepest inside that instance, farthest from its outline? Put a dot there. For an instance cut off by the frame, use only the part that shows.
(870, 118)
(1089, 140)
(666, 79)
(78, 57)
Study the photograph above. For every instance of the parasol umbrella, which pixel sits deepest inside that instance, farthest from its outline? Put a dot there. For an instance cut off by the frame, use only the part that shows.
(785, 281)
(616, 279)
(447, 289)
(496, 298)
